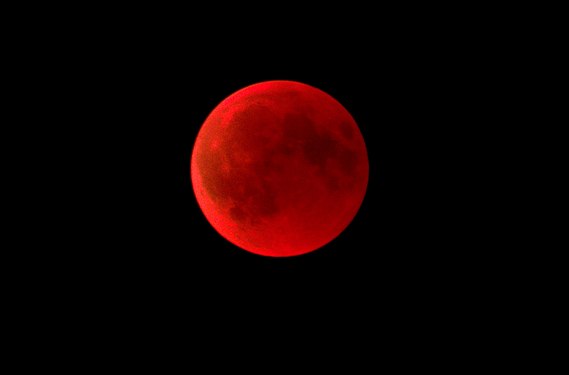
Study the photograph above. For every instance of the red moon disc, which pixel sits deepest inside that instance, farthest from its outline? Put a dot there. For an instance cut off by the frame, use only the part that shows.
(279, 168)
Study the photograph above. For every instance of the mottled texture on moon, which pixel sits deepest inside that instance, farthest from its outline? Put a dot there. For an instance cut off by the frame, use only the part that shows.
(279, 168)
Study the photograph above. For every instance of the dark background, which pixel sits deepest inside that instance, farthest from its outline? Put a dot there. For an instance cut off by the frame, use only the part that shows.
(129, 93)
(144, 97)
(410, 244)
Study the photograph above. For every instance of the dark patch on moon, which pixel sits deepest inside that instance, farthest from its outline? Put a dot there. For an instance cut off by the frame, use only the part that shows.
(237, 213)
(298, 128)
(348, 161)
(252, 204)
(257, 199)
(322, 149)
(347, 130)
(252, 197)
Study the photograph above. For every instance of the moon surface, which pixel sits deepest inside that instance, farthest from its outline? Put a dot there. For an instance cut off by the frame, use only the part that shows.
(279, 168)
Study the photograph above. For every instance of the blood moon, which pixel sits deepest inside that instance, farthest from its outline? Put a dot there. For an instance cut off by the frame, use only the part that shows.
(279, 168)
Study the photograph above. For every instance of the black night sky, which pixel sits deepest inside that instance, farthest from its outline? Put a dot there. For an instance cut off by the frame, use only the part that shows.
(405, 243)
(412, 258)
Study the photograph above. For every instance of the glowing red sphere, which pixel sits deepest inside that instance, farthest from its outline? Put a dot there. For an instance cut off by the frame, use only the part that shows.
(279, 168)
